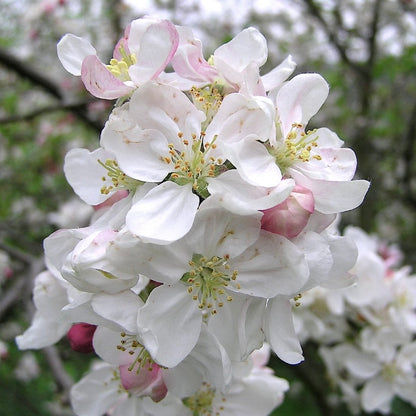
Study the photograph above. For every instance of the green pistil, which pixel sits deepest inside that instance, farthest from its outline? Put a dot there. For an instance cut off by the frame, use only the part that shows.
(193, 165)
(118, 178)
(296, 147)
(207, 281)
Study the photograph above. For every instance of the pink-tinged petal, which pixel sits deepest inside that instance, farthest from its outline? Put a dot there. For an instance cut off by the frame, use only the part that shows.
(165, 214)
(157, 47)
(122, 44)
(80, 337)
(276, 76)
(72, 50)
(299, 99)
(188, 61)
(240, 116)
(166, 109)
(280, 331)
(291, 216)
(100, 82)
(232, 59)
(84, 174)
(144, 381)
(238, 196)
(333, 164)
(332, 197)
(117, 196)
(169, 324)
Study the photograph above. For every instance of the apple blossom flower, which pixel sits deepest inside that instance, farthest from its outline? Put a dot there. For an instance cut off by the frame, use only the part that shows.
(140, 56)
(223, 256)
(234, 66)
(158, 138)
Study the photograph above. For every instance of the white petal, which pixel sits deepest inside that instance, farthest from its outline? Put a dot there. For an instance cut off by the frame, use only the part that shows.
(333, 165)
(169, 324)
(238, 196)
(105, 343)
(254, 163)
(332, 197)
(270, 267)
(207, 362)
(240, 116)
(279, 74)
(166, 109)
(96, 393)
(120, 308)
(84, 174)
(280, 332)
(139, 152)
(232, 58)
(238, 325)
(157, 47)
(217, 232)
(376, 395)
(299, 99)
(164, 215)
(71, 52)
(163, 263)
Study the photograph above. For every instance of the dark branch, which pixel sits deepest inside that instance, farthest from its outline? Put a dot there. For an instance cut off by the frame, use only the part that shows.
(25, 71)
(315, 12)
(82, 106)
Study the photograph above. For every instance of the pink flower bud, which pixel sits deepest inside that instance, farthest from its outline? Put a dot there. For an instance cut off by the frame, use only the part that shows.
(291, 216)
(146, 381)
(80, 337)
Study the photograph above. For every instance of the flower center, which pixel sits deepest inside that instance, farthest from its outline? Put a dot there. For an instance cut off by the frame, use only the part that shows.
(200, 403)
(389, 372)
(120, 69)
(118, 179)
(296, 147)
(142, 359)
(208, 100)
(207, 281)
(193, 164)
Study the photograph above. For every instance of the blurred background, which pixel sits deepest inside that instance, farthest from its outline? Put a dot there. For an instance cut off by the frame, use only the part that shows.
(365, 49)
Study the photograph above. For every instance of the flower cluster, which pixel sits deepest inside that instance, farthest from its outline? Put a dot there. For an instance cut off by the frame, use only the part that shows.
(366, 332)
(213, 206)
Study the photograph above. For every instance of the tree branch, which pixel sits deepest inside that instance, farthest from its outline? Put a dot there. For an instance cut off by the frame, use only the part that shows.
(81, 106)
(25, 71)
(315, 12)
(63, 380)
